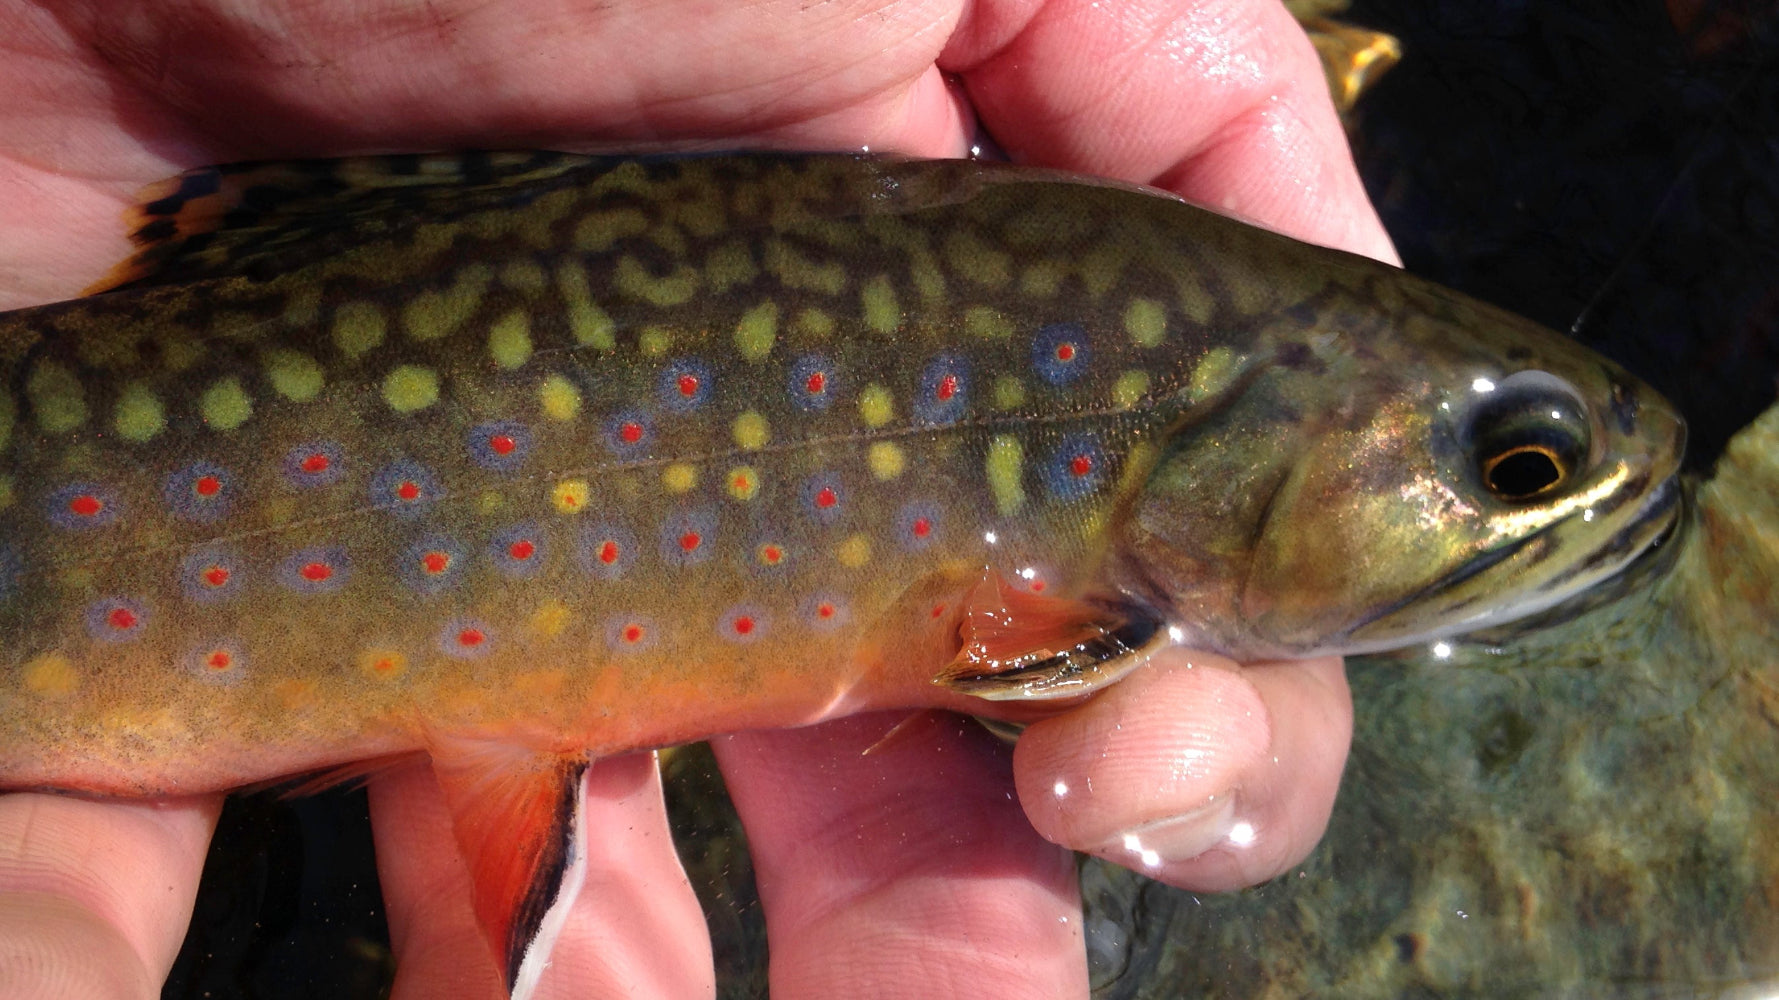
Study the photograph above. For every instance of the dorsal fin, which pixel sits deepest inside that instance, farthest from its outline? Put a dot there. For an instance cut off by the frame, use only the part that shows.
(220, 220)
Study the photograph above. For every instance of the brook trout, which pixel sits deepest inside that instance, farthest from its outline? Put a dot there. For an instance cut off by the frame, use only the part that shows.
(523, 459)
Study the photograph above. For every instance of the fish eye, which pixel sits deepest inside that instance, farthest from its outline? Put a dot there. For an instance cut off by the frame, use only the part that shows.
(1527, 435)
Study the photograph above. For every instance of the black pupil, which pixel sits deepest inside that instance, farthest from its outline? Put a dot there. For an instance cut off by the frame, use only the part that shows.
(1523, 473)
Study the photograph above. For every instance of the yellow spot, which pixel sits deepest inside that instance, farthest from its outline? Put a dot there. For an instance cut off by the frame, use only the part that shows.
(886, 460)
(929, 280)
(679, 477)
(77, 578)
(570, 496)
(1041, 280)
(743, 482)
(509, 340)
(560, 398)
(1146, 322)
(970, 256)
(878, 299)
(986, 323)
(358, 327)
(675, 289)
(1101, 267)
(1008, 392)
(1213, 373)
(757, 330)
(815, 322)
(550, 618)
(854, 552)
(139, 415)
(383, 664)
(491, 502)
(225, 405)
(876, 406)
(51, 675)
(56, 397)
(293, 375)
(591, 325)
(802, 273)
(653, 341)
(410, 387)
(597, 232)
(6, 494)
(751, 432)
(1005, 467)
(432, 314)
(1131, 387)
(729, 265)
(1138, 463)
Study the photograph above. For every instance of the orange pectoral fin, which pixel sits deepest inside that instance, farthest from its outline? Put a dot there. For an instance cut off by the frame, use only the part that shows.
(1021, 646)
(520, 821)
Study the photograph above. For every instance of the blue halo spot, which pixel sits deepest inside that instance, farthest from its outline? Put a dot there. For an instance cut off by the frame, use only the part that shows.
(824, 612)
(944, 390)
(501, 445)
(685, 385)
(466, 639)
(211, 575)
(221, 663)
(200, 492)
(688, 537)
(814, 383)
(405, 488)
(628, 633)
(1075, 468)
(629, 433)
(82, 505)
(824, 497)
(116, 619)
(315, 464)
(322, 570)
(432, 564)
(518, 551)
(606, 550)
(1060, 353)
(917, 524)
(742, 624)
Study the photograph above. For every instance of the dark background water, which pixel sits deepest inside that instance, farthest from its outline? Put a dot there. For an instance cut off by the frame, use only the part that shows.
(1609, 166)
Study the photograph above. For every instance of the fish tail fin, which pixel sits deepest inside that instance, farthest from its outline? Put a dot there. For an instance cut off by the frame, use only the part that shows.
(520, 820)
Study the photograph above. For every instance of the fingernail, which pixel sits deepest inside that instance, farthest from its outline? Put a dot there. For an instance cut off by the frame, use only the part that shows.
(1176, 838)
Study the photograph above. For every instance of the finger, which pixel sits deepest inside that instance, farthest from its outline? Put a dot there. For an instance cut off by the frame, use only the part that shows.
(1194, 771)
(1223, 101)
(909, 872)
(95, 897)
(636, 928)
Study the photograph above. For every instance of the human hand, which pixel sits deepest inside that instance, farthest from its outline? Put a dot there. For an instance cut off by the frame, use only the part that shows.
(911, 872)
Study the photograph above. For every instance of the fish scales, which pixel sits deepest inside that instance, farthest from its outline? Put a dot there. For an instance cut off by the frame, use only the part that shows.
(602, 435)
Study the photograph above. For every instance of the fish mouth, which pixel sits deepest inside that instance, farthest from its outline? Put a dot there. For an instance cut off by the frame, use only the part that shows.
(1559, 598)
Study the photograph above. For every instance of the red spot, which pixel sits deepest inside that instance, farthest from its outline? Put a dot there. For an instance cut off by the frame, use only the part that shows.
(207, 486)
(818, 381)
(688, 385)
(1037, 586)
(609, 552)
(121, 619)
(1081, 465)
(771, 554)
(632, 633)
(826, 497)
(502, 444)
(690, 541)
(1065, 352)
(938, 609)
(824, 610)
(408, 489)
(86, 505)
(315, 572)
(470, 638)
(216, 576)
(947, 388)
(630, 432)
(922, 527)
(741, 482)
(436, 562)
(219, 659)
(316, 463)
(522, 549)
(743, 625)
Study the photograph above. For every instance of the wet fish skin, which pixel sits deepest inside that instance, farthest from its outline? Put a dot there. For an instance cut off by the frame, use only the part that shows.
(599, 454)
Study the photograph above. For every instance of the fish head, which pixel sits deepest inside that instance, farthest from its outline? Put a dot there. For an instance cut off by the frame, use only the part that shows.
(1451, 469)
